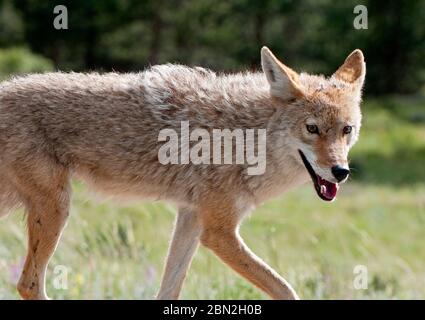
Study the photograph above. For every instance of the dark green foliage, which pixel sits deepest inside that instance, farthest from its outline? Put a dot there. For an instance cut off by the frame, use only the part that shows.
(309, 35)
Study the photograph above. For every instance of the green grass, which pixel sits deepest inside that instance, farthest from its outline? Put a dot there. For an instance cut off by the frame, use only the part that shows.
(117, 251)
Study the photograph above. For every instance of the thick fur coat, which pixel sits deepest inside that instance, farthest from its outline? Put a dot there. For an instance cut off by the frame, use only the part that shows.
(103, 128)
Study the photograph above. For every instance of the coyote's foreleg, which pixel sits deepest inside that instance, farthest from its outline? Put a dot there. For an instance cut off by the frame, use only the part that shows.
(185, 241)
(221, 235)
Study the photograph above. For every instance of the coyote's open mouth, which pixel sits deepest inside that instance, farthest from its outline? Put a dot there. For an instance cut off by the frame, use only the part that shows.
(325, 189)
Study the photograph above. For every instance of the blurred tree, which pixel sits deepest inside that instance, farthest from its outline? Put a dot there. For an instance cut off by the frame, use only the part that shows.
(11, 26)
(315, 35)
(21, 61)
(396, 46)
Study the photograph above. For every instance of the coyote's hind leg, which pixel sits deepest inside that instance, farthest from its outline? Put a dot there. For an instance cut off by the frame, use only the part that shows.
(46, 197)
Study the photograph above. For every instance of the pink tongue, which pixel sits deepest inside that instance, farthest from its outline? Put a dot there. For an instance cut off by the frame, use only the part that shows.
(331, 188)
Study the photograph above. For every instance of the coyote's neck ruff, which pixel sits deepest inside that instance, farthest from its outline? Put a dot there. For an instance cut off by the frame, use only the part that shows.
(105, 128)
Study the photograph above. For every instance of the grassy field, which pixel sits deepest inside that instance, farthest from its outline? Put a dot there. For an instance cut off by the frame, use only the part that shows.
(114, 251)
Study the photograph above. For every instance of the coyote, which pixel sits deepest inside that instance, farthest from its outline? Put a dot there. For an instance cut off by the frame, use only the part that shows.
(103, 128)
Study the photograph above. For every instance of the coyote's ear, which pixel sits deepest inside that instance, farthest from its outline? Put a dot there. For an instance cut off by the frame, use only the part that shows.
(353, 70)
(284, 82)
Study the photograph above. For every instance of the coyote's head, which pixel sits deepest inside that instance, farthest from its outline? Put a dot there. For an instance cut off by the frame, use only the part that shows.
(323, 116)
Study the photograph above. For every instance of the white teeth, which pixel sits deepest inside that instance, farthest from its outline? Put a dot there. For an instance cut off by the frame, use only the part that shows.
(322, 189)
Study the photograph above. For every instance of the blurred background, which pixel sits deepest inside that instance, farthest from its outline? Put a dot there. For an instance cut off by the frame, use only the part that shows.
(113, 251)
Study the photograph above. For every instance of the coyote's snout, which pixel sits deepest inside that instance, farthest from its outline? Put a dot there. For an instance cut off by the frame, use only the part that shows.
(104, 130)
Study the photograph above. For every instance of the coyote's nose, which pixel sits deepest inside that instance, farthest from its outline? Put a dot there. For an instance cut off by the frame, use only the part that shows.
(340, 173)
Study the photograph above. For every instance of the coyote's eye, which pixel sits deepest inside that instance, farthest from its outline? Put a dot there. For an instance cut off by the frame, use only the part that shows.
(347, 129)
(312, 128)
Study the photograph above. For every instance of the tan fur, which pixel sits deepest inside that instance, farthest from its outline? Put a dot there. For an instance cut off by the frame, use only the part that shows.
(104, 130)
